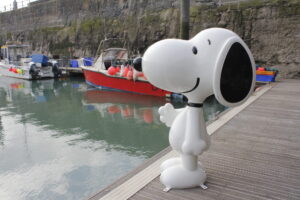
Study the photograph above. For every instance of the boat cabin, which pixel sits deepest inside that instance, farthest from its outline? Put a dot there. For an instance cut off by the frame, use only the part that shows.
(17, 55)
(112, 57)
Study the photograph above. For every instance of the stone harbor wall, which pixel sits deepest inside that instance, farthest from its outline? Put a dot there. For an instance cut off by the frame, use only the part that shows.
(271, 28)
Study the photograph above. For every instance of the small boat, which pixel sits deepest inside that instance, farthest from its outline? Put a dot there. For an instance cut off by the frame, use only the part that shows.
(112, 70)
(265, 74)
(15, 61)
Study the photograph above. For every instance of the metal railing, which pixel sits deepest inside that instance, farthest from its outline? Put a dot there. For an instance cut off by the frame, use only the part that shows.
(15, 5)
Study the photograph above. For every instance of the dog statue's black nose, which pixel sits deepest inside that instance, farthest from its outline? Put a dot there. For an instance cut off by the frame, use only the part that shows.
(137, 64)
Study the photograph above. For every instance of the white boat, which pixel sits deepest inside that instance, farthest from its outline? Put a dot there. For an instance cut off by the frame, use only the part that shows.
(15, 61)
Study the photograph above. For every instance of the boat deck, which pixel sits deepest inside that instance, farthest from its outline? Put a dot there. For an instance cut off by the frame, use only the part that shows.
(254, 154)
(76, 70)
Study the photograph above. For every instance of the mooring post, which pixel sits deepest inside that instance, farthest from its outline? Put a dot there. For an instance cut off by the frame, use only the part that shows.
(185, 19)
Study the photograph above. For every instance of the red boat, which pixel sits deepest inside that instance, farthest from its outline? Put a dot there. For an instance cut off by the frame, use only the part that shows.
(111, 71)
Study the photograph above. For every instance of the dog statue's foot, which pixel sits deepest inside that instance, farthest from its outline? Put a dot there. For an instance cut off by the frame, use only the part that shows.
(180, 178)
(174, 161)
(167, 189)
(204, 187)
(169, 163)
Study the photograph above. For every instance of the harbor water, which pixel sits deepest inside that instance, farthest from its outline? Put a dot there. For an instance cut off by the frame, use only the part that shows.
(61, 139)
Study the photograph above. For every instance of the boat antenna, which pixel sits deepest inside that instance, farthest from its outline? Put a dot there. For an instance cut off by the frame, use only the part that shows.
(102, 41)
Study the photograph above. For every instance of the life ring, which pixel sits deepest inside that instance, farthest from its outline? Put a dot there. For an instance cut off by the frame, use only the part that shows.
(130, 75)
(111, 71)
(125, 72)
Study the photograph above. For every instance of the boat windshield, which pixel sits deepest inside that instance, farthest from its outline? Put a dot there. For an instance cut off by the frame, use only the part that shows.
(115, 55)
(16, 52)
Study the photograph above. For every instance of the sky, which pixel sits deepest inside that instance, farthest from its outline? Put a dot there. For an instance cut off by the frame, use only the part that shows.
(7, 3)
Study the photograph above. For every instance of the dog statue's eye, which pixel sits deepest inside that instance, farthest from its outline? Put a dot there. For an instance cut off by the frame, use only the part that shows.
(195, 51)
(209, 42)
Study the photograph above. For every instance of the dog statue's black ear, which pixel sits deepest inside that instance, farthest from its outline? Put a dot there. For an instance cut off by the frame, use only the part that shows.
(234, 77)
(237, 74)
(137, 64)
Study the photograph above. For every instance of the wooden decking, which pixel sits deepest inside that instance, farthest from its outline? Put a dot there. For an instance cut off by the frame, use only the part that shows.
(256, 155)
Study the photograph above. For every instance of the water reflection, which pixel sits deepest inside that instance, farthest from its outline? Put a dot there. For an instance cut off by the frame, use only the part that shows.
(62, 107)
(55, 147)
(60, 139)
(123, 106)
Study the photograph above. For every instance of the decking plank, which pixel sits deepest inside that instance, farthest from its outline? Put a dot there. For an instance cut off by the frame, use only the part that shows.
(256, 155)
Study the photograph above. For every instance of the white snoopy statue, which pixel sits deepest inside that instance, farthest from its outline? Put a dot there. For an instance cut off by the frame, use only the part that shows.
(215, 61)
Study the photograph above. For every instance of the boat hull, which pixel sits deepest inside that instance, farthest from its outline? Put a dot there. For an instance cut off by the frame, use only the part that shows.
(103, 81)
(4, 70)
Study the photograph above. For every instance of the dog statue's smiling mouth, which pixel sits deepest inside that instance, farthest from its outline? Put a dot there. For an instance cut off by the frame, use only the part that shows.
(196, 85)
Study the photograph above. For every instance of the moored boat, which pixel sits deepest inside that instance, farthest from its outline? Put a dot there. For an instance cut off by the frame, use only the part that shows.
(16, 61)
(112, 71)
(265, 74)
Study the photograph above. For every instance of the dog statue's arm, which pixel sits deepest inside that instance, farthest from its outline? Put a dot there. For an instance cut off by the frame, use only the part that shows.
(168, 113)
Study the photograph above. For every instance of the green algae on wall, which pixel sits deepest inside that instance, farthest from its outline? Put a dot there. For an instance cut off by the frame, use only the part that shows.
(90, 25)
